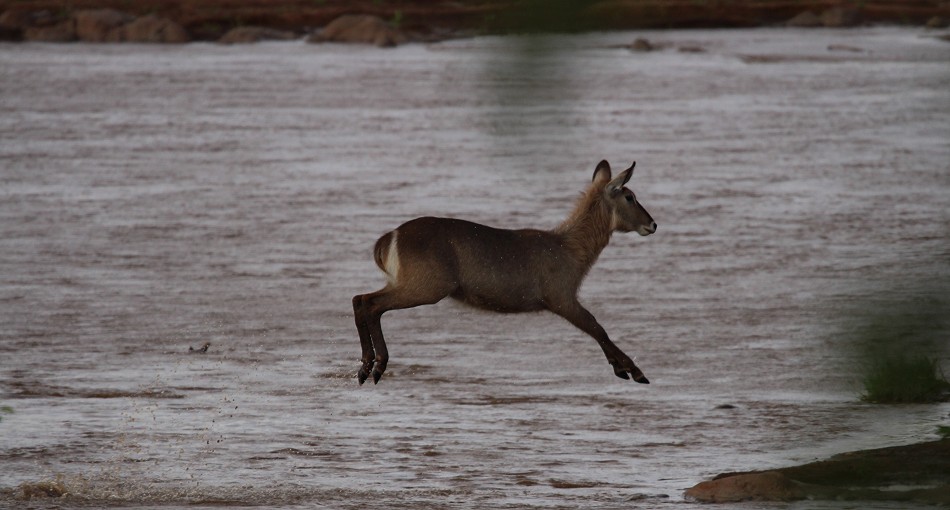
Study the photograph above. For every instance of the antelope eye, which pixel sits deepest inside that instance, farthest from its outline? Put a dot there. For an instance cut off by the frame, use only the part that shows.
(629, 198)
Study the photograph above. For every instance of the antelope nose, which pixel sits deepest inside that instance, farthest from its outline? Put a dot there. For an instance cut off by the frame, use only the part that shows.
(653, 226)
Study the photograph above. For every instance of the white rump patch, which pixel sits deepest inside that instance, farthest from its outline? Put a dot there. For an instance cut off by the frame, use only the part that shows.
(391, 264)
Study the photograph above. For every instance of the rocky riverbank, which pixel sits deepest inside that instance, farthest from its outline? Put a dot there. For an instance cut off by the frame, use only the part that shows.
(390, 22)
(919, 473)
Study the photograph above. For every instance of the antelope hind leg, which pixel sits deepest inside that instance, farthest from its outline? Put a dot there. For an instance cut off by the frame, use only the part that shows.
(366, 341)
(397, 298)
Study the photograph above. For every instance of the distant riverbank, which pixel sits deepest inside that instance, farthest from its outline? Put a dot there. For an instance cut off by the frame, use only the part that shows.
(232, 21)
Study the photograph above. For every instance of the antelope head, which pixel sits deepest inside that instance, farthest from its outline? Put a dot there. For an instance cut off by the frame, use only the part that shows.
(626, 212)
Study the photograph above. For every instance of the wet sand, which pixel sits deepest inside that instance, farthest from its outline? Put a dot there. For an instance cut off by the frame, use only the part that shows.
(158, 198)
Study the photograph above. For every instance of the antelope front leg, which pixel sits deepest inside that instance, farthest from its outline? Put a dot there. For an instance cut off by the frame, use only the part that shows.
(623, 364)
(624, 367)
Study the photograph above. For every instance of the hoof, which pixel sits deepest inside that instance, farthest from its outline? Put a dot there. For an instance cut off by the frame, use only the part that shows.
(362, 375)
(642, 379)
(621, 374)
(377, 375)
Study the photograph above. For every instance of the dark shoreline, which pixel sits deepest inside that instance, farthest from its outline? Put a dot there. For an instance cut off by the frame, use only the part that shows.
(210, 20)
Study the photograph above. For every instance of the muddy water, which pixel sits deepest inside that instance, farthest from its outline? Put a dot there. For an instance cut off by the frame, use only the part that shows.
(156, 198)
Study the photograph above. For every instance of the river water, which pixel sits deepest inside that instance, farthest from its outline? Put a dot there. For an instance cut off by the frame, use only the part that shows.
(155, 198)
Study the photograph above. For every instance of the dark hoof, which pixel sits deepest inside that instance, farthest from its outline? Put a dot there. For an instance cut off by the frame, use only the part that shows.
(626, 369)
(362, 375)
(377, 375)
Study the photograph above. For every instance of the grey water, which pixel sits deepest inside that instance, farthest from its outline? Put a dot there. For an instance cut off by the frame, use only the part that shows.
(155, 198)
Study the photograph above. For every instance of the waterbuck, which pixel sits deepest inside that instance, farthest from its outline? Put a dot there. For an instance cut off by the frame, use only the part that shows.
(428, 259)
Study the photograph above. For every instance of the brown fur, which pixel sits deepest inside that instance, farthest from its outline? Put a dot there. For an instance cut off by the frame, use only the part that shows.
(502, 270)
(587, 230)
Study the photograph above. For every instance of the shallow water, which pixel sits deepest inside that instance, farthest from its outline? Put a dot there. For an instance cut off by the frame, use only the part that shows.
(155, 198)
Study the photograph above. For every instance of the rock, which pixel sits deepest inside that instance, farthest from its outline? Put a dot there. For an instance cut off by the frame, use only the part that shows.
(12, 24)
(767, 486)
(46, 489)
(917, 472)
(691, 48)
(18, 25)
(64, 31)
(242, 35)
(11, 18)
(641, 44)
(97, 25)
(844, 47)
(363, 29)
(10, 34)
(839, 17)
(806, 19)
(936, 22)
(150, 29)
(16, 19)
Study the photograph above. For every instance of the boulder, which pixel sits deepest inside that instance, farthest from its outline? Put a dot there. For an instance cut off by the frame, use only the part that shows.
(936, 22)
(44, 25)
(16, 19)
(10, 34)
(12, 24)
(64, 31)
(362, 29)
(243, 35)
(839, 17)
(917, 472)
(806, 19)
(765, 486)
(150, 29)
(97, 25)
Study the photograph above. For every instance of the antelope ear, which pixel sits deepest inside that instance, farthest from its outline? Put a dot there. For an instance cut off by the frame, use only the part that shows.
(614, 186)
(602, 172)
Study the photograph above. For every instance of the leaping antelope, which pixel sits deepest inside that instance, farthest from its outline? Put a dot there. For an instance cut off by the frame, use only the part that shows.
(428, 259)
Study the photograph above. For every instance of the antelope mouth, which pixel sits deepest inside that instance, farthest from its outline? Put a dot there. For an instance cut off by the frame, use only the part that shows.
(646, 230)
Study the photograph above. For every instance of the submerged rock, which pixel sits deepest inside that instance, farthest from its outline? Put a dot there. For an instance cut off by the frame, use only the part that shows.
(641, 44)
